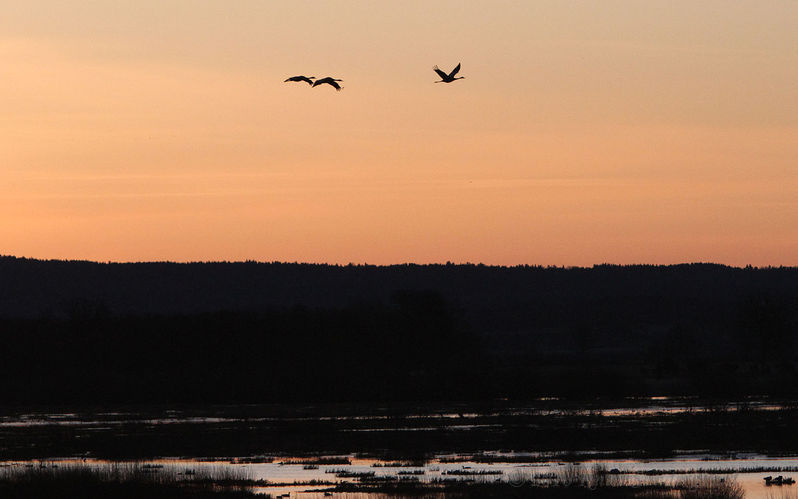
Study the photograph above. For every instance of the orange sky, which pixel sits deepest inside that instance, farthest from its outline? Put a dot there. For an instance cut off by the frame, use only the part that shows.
(584, 132)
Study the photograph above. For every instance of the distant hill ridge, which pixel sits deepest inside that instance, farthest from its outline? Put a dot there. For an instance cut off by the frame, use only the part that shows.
(31, 287)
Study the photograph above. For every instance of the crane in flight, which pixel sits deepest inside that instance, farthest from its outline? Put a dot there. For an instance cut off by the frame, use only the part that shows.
(448, 78)
(330, 81)
(307, 79)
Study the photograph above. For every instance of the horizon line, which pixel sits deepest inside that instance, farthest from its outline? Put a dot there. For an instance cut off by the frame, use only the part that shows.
(401, 264)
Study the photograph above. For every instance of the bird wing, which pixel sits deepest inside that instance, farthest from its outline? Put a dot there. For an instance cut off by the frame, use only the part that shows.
(335, 84)
(306, 79)
(323, 80)
(440, 73)
(455, 70)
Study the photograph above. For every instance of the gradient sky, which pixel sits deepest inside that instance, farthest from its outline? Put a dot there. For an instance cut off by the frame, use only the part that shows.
(584, 132)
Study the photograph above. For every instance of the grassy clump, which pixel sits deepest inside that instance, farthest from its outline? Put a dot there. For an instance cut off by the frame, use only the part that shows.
(701, 487)
(710, 487)
(121, 481)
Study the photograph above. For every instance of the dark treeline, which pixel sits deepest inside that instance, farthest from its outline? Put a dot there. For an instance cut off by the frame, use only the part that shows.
(270, 332)
(32, 288)
(405, 350)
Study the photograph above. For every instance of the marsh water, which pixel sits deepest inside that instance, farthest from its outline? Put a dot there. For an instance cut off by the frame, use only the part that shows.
(30, 438)
(746, 469)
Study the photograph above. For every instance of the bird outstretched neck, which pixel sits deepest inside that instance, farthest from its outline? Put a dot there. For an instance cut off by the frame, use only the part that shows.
(306, 79)
(450, 77)
(333, 82)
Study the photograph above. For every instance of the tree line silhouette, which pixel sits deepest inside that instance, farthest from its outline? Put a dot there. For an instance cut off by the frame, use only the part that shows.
(277, 332)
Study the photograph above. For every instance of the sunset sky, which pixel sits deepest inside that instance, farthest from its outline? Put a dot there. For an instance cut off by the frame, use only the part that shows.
(584, 131)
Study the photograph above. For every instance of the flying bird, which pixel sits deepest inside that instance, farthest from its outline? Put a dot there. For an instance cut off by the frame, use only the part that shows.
(448, 78)
(330, 81)
(308, 79)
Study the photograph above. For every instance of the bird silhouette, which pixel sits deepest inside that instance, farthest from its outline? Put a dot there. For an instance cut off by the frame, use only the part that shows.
(448, 78)
(308, 79)
(330, 81)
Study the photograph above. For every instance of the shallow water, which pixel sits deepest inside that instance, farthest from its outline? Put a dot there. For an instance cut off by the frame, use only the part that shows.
(443, 418)
(538, 472)
(459, 419)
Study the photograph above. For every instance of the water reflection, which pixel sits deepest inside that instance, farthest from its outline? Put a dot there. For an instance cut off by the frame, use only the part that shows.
(548, 406)
(309, 481)
(286, 474)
